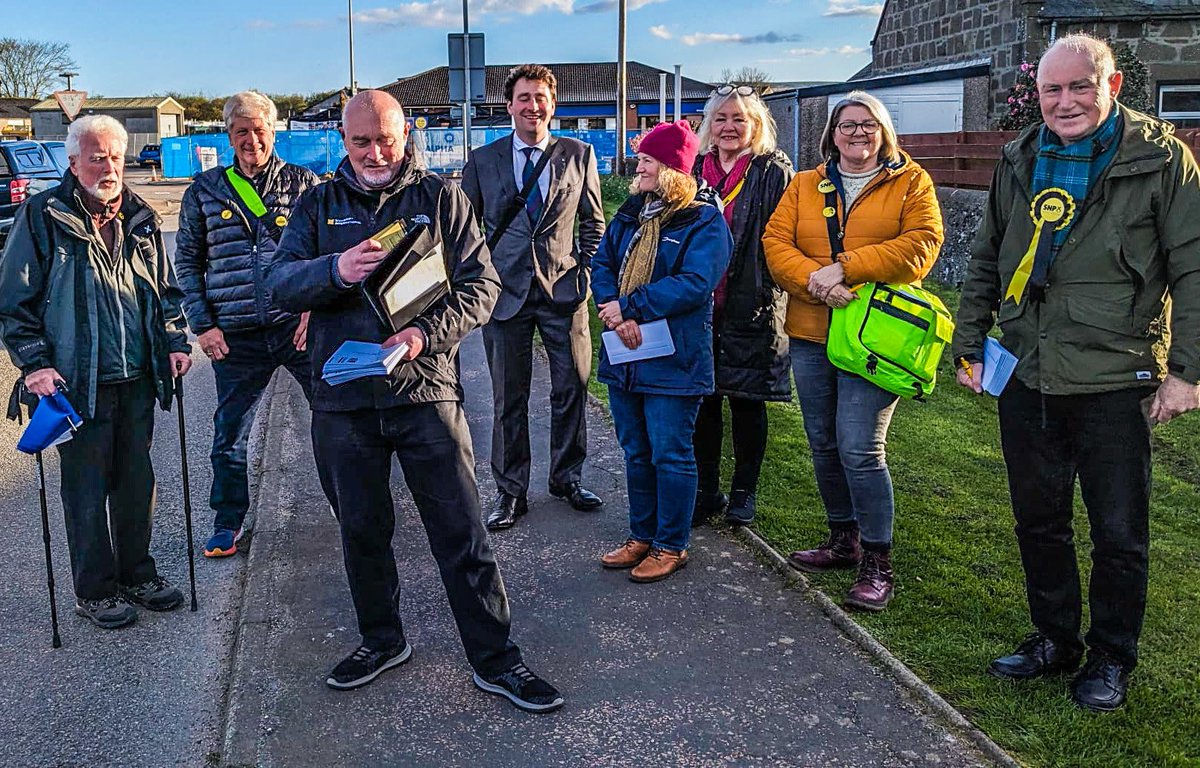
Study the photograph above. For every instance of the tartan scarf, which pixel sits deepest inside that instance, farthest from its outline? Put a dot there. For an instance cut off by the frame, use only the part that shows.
(1076, 167)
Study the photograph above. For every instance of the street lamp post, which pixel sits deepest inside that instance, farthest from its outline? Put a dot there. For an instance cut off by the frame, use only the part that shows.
(67, 76)
(621, 93)
(350, 28)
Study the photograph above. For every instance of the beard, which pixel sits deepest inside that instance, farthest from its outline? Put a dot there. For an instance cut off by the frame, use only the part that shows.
(102, 194)
(379, 177)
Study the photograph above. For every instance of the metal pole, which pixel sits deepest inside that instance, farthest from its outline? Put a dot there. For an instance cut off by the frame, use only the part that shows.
(678, 92)
(55, 639)
(187, 490)
(350, 26)
(467, 84)
(662, 97)
(620, 169)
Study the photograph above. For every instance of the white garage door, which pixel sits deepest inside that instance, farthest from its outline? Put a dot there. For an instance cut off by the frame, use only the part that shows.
(922, 107)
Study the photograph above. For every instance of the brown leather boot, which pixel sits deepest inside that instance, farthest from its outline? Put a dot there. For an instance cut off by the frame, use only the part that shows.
(658, 565)
(627, 555)
(840, 550)
(873, 588)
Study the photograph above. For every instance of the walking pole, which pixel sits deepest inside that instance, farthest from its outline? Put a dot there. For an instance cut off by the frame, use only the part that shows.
(187, 490)
(56, 641)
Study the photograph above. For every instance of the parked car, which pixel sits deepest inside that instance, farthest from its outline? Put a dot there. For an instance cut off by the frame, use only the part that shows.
(58, 153)
(151, 154)
(26, 168)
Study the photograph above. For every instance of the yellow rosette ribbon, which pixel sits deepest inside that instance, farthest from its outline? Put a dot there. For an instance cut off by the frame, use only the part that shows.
(1051, 210)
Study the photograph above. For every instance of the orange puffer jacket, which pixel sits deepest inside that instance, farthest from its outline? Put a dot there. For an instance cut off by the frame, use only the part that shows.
(893, 234)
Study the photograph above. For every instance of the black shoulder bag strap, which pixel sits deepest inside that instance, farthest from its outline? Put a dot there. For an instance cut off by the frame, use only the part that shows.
(832, 224)
(518, 202)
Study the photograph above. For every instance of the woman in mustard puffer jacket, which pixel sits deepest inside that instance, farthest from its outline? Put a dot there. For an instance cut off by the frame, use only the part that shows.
(880, 208)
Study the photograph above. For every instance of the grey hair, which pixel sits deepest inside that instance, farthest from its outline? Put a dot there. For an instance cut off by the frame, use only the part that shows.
(94, 124)
(889, 152)
(1098, 52)
(250, 104)
(764, 136)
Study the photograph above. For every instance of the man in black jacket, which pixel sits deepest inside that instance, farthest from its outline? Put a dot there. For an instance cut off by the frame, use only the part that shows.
(416, 413)
(88, 299)
(229, 225)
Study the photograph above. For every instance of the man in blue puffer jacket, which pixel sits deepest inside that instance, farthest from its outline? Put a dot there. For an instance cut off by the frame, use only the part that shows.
(230, 222)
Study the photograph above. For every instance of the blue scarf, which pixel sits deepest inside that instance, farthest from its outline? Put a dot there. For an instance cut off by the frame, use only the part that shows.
(1076, 167)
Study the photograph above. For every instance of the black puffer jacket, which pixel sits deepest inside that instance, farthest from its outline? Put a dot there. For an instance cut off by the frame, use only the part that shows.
(752, 359)
(222, 257)
(340, 214)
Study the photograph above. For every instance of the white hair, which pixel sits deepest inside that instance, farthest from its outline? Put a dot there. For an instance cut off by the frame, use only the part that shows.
(763, 133)
(94, 125)
(1098, 52)
(250, 104)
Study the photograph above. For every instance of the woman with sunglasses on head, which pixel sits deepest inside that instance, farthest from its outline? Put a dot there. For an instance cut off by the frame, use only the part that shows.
(660, 259)
(750, 349)
(879, 208)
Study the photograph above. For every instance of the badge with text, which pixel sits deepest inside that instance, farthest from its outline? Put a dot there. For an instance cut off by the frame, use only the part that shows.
(826, 186)
(1051, 210)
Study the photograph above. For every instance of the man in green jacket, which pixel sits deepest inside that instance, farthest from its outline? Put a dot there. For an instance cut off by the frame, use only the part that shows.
(88, 298)
(1088, 249)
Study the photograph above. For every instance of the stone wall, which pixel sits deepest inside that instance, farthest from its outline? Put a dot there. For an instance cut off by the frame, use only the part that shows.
(962, 209)
(785, 115)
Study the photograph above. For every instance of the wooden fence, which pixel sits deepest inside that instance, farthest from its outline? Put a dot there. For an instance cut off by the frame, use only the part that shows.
(966, 159)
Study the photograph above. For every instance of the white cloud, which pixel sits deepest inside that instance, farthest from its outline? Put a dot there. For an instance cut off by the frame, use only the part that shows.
(660, 31)
(701, 38)
(852, 8)
(845, 50)
(437, 13)
(600, 6)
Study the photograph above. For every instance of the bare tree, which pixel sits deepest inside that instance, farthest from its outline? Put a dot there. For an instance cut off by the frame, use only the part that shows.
(30, 68)
(754, 77)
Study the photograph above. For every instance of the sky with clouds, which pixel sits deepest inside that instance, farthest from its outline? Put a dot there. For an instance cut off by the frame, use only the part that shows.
(221, 46)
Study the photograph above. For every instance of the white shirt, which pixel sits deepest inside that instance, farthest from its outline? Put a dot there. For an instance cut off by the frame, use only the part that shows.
(534, 156)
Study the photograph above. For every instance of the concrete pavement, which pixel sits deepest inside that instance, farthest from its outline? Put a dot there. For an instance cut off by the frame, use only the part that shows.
(719, 665)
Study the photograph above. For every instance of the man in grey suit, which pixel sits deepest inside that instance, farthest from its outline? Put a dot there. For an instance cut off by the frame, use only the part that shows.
(544, 272)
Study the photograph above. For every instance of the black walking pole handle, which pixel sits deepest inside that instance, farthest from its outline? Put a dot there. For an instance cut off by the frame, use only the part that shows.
(187, 490)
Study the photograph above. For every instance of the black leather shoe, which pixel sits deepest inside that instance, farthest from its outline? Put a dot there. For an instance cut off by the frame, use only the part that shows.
(505, 511)
(1038, 655)
(577, 496)
(707, 505)
(1101, 685)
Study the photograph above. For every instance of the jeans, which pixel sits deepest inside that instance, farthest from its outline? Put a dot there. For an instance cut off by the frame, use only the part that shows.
(655, 431)
(749, 428)
(846, 418)
(354, 452)
(108, 490)
(241, 378)
(1104, 440)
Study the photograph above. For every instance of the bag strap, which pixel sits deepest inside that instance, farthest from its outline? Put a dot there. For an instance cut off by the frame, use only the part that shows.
(831, 223)
(250, 200)
(518, 202)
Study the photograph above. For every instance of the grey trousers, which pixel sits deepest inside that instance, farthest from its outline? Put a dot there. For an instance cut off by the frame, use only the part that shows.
(509, 346)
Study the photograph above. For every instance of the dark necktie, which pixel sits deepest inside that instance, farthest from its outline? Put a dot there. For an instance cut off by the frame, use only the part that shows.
(533, 205)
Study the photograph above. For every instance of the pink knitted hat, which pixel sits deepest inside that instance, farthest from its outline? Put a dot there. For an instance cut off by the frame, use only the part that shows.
(674, 145)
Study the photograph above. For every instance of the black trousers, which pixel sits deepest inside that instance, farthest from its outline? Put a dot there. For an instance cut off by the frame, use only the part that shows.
(1104, 440)
(749, 429)
(108, 491)
(509, 347)
(354, 461)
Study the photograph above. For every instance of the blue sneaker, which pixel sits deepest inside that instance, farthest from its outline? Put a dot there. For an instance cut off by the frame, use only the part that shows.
(223, 543)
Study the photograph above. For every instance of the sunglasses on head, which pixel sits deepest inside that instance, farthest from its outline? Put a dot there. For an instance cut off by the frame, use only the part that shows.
(728, 88)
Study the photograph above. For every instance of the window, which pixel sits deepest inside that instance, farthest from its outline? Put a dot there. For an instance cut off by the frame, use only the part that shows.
(1179, 102)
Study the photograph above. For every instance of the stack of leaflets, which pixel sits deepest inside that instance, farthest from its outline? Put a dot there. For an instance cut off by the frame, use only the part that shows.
(359, 359)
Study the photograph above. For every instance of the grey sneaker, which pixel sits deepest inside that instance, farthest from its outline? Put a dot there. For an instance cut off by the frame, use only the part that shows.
(106, 613)
(157, 594)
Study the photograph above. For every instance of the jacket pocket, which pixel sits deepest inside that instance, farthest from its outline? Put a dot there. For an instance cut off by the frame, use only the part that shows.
(1106, 344)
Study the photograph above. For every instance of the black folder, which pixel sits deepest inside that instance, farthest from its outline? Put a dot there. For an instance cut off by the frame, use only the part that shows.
(409, 280)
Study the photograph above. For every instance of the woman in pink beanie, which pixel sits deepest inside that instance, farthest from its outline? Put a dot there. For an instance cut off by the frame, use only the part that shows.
(660, 260)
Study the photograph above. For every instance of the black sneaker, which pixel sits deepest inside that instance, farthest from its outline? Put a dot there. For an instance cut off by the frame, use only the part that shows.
(523, 688)
(157, 594)
(742, 506)
(364, 665)
(106, 613)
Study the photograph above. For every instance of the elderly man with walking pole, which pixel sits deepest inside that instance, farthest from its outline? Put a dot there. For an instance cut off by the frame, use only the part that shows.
(88, 298)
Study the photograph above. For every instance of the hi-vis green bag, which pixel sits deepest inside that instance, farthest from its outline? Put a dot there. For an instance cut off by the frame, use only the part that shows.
(892, 336)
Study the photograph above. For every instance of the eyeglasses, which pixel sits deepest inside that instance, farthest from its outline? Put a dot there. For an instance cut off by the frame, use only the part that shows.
(740, 90)
(847, 128)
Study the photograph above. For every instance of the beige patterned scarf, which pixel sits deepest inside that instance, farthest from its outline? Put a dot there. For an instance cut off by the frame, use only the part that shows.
(638, 265)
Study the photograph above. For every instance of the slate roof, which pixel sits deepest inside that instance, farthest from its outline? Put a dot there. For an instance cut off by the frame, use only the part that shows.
(578, 83)
(141, 102)
(15, 109)
(1119, 9)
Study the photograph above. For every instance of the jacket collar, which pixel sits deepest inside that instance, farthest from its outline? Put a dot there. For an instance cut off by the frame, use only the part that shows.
(138, 217)
(633, 205)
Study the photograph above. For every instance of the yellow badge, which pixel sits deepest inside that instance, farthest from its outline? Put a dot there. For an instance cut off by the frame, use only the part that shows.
(281, 220)
(227, 214)
(829, 212)
(1051, 210)
(826, 186)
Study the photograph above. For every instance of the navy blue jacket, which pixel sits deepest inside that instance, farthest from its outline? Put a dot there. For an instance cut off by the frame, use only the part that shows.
(222, 256)
(340, 214)
(693, 253)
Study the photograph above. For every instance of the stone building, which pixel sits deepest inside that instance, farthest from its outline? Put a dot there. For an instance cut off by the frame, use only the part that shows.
(1165, 34)
(148, 120)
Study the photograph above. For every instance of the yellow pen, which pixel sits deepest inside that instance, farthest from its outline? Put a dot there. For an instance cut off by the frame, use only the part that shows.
(966, 366)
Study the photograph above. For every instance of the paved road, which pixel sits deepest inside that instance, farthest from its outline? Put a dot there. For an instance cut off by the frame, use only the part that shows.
(720, 665)
(146, 695)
